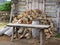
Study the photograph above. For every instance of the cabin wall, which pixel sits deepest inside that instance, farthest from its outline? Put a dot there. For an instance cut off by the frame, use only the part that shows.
(24, 5)
(50, 7)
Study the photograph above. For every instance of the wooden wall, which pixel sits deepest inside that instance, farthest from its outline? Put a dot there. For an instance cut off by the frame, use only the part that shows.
(49, 6)
(51, 9)
(24, 5)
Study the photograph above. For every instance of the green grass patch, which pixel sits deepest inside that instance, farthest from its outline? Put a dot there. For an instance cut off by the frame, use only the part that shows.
(57, 36)
(3, 24)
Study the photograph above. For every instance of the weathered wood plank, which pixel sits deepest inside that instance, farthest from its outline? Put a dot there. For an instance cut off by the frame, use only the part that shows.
(28, 25)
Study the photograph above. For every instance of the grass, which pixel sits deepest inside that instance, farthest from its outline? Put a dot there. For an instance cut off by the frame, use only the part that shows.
(57, 36)
(3, 24)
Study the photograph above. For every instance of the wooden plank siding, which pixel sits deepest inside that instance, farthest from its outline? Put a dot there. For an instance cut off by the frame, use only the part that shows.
(47, 6)
(52, 10)
(24, 5)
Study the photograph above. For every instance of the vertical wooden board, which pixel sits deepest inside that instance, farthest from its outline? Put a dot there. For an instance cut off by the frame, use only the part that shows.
(21, 6)
(51, 8)
(33, 4)
(30, 6)
(27, 4)
(36, 5)
(41, 6)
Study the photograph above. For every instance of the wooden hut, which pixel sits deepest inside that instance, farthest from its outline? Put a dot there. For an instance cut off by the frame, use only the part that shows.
(50, 7)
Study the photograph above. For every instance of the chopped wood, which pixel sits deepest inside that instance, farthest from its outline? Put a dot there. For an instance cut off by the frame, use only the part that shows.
(28, 16)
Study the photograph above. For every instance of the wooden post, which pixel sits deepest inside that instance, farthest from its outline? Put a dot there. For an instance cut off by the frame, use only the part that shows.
(12, 38)
(41, 37)
(16, 33)
(43, 5)
(11, 14)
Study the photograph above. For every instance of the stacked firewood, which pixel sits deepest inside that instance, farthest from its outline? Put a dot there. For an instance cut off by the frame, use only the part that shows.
(28, 16)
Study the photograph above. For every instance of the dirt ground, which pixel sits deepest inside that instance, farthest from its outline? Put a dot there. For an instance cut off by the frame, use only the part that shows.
(5, 40)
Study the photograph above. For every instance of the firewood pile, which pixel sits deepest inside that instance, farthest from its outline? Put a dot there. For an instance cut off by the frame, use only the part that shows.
(28, 16)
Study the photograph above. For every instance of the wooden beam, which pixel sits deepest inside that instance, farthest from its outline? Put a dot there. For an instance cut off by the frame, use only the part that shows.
(43, 5)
